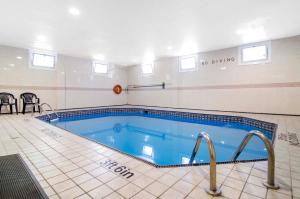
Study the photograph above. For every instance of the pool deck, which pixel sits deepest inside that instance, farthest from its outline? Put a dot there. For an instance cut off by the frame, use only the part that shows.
(68, 166)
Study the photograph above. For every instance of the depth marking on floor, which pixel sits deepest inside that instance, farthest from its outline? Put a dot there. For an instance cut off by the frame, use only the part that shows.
(114, 166)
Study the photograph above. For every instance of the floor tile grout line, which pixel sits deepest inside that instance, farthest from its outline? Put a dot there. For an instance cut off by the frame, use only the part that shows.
(37, 168)
(39, 148)
(291, 177)
(246, 182)
(95, 187)
(71, 180)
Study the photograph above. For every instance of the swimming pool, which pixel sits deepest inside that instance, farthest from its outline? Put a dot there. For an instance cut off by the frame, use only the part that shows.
(167, 138)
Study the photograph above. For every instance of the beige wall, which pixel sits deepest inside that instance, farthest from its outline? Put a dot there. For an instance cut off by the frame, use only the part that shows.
(263, 88)
(71, 85)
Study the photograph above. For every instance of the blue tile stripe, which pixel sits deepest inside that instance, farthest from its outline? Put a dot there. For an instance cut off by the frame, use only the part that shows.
(164, 113)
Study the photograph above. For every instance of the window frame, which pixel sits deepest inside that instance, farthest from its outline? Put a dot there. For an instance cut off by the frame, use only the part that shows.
(101, 63)
(195, 57)
(267, 44)
(45, 53)
(152, 67)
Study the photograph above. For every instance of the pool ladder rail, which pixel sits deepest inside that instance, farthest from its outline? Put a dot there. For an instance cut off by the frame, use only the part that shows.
(46, 112)
(216, 191)
(271, 156)
(213, 189)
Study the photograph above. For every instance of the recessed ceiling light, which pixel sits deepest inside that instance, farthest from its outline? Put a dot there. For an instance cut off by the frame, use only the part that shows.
(74, 11)
(223, 68)
(19, 57)
(41, 38)
(253, 31)
(12, 65)
(170, 47)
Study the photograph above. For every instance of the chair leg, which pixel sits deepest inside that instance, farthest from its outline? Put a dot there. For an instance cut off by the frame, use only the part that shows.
(11, 109)
(39, 108)
(16, 107)
(24, 108)
(34, 108)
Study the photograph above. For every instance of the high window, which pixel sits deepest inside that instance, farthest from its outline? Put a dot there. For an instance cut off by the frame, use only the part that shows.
(188, 63)
(43, 59)
(147, 69)
(100, 68)
(255, 53)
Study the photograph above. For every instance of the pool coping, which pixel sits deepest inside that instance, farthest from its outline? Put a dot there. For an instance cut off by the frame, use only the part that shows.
(212, 117)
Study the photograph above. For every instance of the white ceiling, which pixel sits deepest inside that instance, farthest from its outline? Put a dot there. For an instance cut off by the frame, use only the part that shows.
(128, 32)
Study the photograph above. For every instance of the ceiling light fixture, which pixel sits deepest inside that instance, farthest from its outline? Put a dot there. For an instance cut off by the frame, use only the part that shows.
(41, 38)
(74, 11)
(19, 57)
(253, 31)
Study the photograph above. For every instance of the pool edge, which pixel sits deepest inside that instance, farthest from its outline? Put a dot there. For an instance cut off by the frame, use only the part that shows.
(241, 118)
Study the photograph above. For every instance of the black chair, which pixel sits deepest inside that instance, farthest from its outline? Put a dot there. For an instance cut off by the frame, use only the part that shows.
(7, 99)
(30, 99)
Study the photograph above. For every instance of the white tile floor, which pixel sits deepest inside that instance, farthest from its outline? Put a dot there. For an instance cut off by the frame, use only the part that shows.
(68, 166)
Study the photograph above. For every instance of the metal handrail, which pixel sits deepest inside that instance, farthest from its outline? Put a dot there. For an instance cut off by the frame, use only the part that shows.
(271, 156)
(51, 109)
(213, 189)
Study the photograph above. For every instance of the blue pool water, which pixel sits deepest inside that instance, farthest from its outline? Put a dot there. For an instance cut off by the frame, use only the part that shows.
(163, 141)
